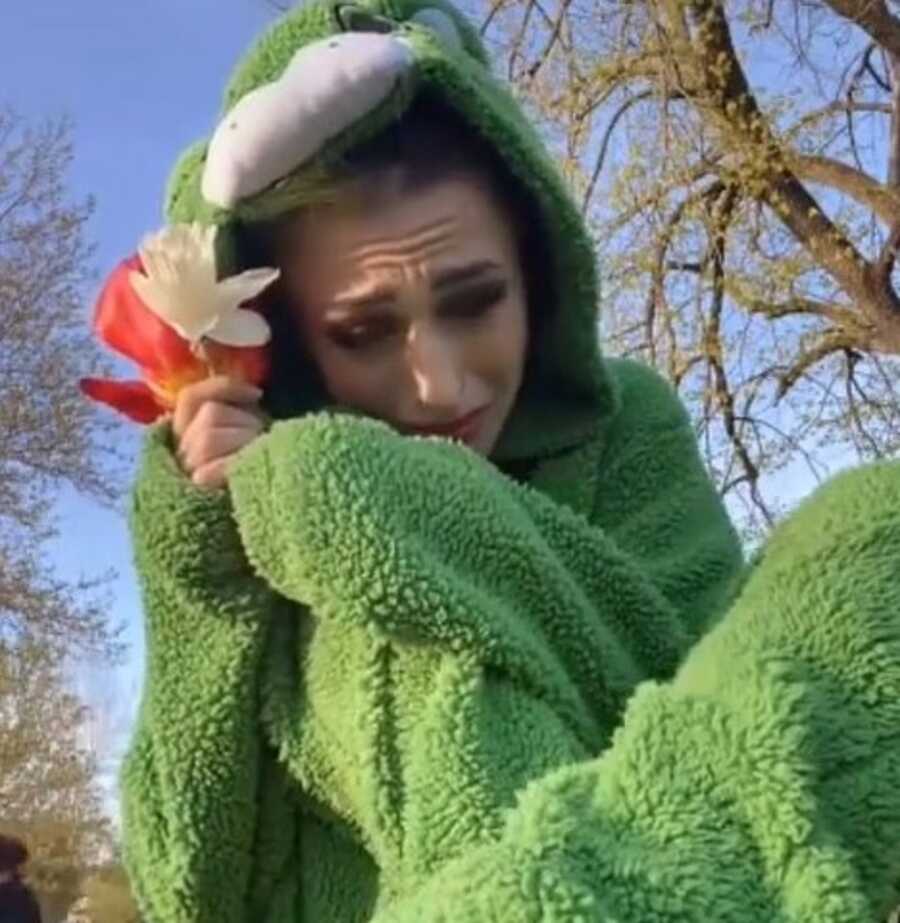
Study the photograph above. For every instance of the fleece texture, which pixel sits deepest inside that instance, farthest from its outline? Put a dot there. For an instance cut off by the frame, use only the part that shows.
(416, 701)
(390, 681)
(364, 651)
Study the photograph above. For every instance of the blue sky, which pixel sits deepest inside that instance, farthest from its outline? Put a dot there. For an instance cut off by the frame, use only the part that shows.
(141, 81)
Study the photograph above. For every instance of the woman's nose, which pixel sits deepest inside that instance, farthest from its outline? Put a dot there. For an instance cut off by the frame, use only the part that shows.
(435, 370)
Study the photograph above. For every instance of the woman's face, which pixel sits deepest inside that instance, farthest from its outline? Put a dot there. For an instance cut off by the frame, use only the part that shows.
(414, 309)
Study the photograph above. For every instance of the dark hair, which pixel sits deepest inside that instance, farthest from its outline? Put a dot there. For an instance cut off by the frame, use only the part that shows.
(429, 143)
(13, 853)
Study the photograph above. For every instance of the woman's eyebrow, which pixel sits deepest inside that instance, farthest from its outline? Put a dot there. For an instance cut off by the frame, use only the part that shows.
(351, 305)
(455, 275)
(383, 297)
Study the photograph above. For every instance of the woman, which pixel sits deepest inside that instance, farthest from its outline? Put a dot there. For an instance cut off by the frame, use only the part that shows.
(391, 637)
(17, 902)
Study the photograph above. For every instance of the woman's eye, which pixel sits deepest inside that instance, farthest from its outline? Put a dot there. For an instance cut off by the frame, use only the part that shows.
(359, 336)
(474, 303)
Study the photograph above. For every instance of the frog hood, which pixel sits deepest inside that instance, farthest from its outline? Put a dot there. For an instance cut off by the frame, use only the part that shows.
(329, 76)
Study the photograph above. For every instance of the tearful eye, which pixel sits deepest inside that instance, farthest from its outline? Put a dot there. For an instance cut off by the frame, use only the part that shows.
(474, 303)
(358, 335)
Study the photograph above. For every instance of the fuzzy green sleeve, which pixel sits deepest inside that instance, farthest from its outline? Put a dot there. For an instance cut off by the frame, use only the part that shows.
(191, 777)
(762, 784)
(213, 827)
(470, 633)
(476, 639)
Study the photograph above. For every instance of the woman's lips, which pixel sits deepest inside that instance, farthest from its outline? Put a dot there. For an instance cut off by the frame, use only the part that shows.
(465, 428)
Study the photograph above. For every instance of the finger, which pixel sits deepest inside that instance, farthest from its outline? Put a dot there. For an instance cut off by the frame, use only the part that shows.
(212, 475)
(215, 415)
(197, 443)
(201, 447)
(220, 389)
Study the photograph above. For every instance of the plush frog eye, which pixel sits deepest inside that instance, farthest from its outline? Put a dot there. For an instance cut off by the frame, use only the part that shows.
(328, 86)
(351, 18)
(440, 23)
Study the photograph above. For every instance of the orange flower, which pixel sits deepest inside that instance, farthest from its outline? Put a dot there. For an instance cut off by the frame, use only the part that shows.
(147, 334)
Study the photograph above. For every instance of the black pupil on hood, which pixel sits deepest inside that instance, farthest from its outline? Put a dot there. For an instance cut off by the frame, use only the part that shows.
(355, 19)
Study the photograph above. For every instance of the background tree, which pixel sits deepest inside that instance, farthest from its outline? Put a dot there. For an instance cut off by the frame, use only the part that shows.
(741, 166)
(107, 897)
(51, 436)
(49, 788)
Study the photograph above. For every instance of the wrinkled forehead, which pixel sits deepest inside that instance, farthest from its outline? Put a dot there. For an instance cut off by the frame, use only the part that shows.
(452, 222)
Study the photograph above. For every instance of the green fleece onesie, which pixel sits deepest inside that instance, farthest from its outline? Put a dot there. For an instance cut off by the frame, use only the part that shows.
(388, 682)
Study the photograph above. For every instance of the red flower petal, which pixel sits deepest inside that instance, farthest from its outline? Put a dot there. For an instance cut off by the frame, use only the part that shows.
(245, 363)
(129, 327)
(167, 363)
(135, 399)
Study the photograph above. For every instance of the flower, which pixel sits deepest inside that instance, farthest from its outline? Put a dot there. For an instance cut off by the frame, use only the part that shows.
(179, 285)
(178, 323)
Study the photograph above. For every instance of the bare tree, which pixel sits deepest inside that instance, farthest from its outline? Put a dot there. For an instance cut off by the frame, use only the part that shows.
(49, 790)
(741, 166)
(51, 436)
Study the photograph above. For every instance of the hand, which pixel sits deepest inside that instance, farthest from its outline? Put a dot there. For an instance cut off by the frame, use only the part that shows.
(213, 420)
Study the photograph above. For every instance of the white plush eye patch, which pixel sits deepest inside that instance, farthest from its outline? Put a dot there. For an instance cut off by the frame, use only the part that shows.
(328, 86)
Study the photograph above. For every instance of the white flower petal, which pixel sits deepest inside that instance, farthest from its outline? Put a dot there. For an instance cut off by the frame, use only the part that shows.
(241, 328)
(179, 285)
(154, 295)
(190, 311)
(235, 290)
(148, 259)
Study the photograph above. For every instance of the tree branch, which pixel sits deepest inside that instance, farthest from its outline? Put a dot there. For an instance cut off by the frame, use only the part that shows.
(894, 149)
(882, 200)
(764, 173)
(608, 76)
(723, 206)
(518, 41)
(604, 145)
(555, 35)
(830, 342)
(852, 388)
(839, 316)
(874, 18)
(838, 107)
(694, 174)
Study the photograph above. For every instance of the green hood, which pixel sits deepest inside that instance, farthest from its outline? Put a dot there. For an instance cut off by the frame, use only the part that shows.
(280, 118)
